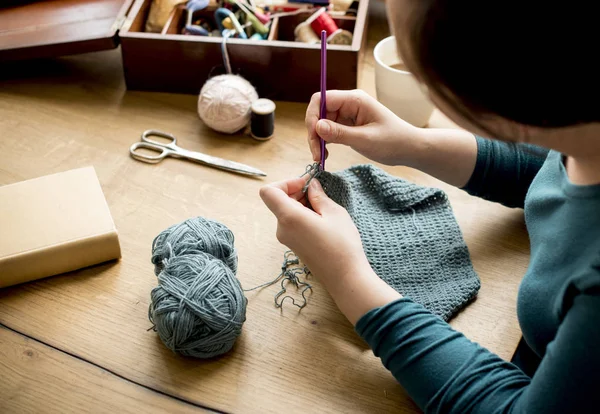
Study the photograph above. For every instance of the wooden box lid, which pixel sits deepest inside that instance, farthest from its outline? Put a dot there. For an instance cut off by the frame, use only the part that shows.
(49, 28)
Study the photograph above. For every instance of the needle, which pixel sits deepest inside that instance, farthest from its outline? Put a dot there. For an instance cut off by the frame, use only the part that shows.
(323, 114)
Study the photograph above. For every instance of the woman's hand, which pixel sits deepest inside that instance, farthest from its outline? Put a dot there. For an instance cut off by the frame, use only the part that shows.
(356, 119)
(311, 234)
(328, 242)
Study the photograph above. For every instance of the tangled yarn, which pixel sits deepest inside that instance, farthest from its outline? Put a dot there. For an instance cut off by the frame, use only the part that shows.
(198, 307)
(290, 272)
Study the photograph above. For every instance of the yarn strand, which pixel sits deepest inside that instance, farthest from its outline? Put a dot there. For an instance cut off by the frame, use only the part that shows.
(292, 277)
(226, 34)
(288, 259)
(313, 171)
(289, 276)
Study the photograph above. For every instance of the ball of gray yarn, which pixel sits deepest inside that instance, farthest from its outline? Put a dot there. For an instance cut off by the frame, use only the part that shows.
(193, 236)
(198, 307)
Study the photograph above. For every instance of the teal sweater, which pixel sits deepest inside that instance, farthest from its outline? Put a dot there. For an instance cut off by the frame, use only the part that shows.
(558, 304)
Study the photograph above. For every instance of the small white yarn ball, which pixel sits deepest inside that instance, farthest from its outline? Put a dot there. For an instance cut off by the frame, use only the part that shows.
(224, 103)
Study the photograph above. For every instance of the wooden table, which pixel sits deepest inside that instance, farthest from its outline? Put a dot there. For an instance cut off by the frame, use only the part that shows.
(80, 342)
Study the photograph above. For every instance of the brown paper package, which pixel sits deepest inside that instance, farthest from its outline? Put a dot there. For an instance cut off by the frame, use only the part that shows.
(54, 224)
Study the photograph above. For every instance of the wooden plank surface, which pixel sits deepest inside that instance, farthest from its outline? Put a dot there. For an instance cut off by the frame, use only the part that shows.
(35, 378)
(36, 29)
(75, 111)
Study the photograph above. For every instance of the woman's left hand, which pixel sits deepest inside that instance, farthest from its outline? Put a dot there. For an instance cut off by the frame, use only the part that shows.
(324, 238)
(328, 243)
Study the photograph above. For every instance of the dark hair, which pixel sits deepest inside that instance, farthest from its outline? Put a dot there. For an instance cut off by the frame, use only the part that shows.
(534, 63)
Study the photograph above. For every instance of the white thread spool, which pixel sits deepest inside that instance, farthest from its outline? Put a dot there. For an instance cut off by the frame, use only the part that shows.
(340, 37)
(304, 33)
(224, 103)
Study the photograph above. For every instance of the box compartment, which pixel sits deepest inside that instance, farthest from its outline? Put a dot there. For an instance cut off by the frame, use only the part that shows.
(279, 67)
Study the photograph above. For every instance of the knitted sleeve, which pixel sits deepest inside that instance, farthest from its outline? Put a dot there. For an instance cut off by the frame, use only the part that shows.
(504, 171)
(444, 372)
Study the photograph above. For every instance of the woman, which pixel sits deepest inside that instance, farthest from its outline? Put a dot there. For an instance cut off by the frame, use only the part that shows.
(523, 75)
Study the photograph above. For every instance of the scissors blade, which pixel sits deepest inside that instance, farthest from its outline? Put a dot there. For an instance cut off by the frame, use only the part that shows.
(238, 167)
(220, 163)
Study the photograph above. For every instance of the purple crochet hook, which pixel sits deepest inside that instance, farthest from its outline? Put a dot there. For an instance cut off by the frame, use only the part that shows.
(323, 114)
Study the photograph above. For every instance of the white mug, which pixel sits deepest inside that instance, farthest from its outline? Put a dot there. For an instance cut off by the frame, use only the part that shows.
(398, 89)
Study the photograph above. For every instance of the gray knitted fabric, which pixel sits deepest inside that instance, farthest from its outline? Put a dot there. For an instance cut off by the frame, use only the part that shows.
(410, 236)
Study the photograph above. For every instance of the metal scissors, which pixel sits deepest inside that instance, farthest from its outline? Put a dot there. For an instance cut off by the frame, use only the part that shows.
(172, 150)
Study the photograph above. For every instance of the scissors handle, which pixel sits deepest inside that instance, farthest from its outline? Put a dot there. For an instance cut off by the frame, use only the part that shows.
(172, 145)
(152, 159)
(162, 149)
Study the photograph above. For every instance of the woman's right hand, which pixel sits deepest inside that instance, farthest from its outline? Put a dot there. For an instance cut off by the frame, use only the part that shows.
(356, 119)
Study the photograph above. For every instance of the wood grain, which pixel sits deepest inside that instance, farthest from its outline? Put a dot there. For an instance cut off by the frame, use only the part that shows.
(33, 375)
(73, 112)
(279, 69)
(59, 27)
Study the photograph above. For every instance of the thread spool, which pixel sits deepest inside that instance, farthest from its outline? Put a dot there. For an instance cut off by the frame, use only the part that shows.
(262, 119)
(315, 15)
(340, 37)
(304, 33)
(320, 21)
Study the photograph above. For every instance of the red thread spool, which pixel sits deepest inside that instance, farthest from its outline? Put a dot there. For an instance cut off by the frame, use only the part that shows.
(323, 21)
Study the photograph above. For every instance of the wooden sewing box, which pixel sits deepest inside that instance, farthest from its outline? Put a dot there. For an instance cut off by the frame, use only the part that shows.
(279, 67)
